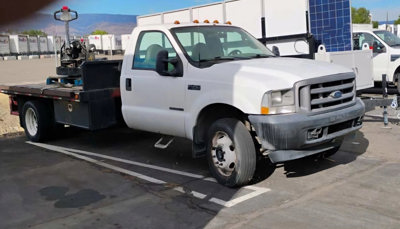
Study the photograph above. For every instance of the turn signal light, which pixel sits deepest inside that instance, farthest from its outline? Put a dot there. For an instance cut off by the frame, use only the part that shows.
(264, 110)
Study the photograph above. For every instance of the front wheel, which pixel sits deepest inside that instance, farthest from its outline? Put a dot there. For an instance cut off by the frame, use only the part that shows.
(397, 76)
(37, 121)
(231, 152)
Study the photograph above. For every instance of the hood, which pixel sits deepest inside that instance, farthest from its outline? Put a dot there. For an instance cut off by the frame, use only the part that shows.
(283, 72)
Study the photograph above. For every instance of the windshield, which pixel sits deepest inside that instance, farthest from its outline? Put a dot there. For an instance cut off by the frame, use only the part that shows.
(388, 37)
(207, 45)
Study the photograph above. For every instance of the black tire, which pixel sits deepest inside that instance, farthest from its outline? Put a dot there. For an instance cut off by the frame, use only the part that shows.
(241, 151)
(44, 121)
(397, 76)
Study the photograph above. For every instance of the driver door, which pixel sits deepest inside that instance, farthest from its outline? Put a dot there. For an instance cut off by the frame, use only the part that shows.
(155, 103)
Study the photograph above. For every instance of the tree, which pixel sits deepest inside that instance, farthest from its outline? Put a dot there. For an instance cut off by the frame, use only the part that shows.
(375, 24)
(397, 22)
(99, 32)
(360, 15)
(33, 32)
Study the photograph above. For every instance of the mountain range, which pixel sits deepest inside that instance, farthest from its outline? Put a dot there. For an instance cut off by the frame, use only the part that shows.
(85, 24)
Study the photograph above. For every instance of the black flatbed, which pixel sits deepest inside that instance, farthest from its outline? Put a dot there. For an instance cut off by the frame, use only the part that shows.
(94, 103)
(43, 91)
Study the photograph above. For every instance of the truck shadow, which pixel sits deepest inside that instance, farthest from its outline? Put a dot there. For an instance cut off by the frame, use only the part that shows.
(352, 147)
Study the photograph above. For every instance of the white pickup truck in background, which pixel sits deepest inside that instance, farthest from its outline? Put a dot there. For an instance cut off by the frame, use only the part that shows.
(213, 84)
(386, 53)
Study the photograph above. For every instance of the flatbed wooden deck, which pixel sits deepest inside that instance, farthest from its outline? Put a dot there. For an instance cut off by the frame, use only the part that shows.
(42, 90)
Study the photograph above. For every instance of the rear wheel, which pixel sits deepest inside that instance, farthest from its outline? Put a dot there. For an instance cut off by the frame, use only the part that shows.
(231, 152)
(37, 121)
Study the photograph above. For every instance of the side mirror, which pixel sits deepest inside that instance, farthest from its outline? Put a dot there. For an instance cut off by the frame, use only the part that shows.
(378, 48)
(163, 63)
(275, 51)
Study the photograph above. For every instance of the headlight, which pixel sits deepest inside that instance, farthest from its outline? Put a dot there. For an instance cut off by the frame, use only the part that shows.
(278, 102)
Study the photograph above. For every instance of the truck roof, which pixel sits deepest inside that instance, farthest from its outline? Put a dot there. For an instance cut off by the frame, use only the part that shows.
(170, 26)
(366, 31)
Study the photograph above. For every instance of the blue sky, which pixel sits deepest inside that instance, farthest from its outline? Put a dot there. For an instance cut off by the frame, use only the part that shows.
(378, 8)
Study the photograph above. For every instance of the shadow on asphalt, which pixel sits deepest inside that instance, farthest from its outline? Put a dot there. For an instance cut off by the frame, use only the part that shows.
(352, 147)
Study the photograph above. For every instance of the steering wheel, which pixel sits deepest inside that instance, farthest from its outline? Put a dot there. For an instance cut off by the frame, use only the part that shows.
(235, 52)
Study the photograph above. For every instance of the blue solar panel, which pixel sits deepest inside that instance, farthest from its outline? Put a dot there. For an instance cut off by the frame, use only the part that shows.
(330, 23)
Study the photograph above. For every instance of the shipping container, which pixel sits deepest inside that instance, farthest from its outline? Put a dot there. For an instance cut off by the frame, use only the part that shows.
(43, 45)
(111, 42)
(4, 45)
(125, 38)
(33, 45)
(96, 40)
(19, 44)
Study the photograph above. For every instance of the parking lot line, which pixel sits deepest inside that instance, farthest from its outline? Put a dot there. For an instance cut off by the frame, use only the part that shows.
(97, 162)
(197, 176)
(256, 190)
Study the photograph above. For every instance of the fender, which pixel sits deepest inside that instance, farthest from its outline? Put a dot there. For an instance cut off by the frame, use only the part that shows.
(217, 97)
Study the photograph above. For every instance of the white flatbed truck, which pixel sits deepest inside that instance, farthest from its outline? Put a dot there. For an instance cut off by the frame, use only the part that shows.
(213, 84)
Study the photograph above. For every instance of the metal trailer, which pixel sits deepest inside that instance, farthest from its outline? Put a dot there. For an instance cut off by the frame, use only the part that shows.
(282, 25)
(43, 45)
(54, 42)
(4, 45)
(111, 43)
(97, 41)
(125, 38)
(33, 42)
(19, 44)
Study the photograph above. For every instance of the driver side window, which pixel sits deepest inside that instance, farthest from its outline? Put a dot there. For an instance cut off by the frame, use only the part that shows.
(150, 43)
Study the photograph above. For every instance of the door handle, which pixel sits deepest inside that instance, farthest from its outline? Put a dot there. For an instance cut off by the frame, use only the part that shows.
(128, 84)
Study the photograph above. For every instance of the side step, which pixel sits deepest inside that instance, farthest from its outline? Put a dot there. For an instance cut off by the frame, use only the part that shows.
(163, 144)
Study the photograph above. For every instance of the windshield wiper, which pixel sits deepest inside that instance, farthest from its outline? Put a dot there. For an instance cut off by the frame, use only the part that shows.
(218, 58)
(261, 56)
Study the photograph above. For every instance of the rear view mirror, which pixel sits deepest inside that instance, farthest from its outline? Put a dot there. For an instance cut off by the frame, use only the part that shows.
(163, 65)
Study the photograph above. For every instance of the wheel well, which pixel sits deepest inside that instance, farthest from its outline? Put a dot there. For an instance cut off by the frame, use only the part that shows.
(206, 117)
(23, 99)
(395, 79)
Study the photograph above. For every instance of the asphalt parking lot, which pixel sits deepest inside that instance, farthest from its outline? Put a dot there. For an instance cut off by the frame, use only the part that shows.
(117, 179)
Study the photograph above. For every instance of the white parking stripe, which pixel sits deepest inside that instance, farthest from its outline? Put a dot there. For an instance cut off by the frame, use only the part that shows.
(193, 193)
(241, 199)
(124, 161)
(97, 162)
(256, 190)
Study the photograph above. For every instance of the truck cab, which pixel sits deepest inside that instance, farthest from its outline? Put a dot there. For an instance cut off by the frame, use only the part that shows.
(220, 87)
(386, 53)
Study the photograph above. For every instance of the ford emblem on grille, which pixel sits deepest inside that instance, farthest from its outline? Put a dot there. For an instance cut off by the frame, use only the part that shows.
(336, 94)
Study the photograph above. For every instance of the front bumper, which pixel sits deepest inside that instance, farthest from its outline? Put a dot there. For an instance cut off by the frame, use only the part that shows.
(289, 137)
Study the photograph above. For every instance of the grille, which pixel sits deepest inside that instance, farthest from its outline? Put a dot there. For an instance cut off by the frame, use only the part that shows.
(318, 97)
